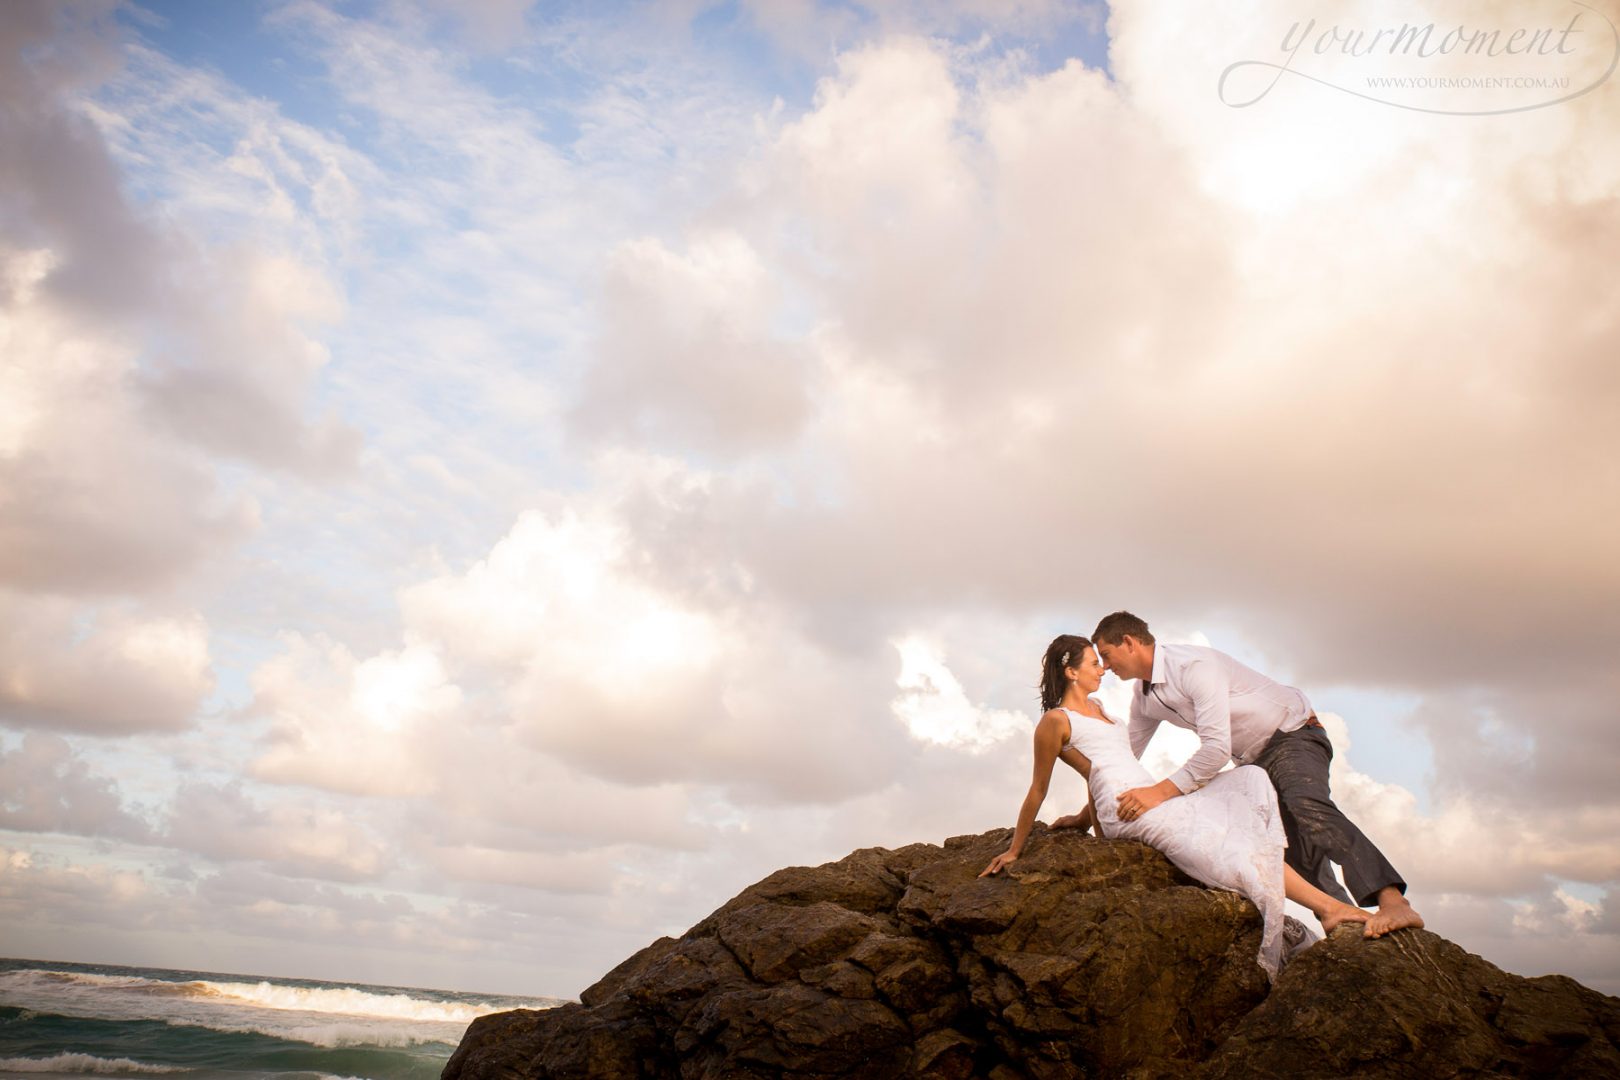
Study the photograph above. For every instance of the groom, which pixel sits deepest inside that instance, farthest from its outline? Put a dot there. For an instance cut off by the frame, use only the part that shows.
(1242, 716)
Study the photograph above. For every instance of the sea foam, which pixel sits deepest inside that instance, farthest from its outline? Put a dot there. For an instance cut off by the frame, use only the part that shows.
(345, 1001)
(320, 1016)
(82, 1063)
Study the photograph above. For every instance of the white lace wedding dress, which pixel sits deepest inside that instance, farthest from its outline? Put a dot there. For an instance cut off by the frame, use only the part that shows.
(1226, 834)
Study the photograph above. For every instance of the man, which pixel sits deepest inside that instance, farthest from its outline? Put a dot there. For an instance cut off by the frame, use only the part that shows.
(1242, 716)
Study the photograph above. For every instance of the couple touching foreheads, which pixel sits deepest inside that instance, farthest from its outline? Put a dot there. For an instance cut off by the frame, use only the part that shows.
(1267, 829)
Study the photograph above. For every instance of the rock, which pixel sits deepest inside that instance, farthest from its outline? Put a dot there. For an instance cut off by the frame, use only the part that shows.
(1415, 1005)
(1087, 958)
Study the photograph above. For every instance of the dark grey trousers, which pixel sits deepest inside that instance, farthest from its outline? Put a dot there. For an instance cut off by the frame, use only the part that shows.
(1318, 832)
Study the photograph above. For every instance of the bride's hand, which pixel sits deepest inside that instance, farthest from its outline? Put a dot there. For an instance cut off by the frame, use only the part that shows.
(1070, 821)
(997, 864)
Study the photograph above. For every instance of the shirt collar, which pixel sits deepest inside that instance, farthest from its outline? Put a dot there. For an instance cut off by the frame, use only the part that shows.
(1157, 675)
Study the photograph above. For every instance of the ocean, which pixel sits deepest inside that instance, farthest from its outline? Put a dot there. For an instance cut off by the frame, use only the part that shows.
(94, 1020)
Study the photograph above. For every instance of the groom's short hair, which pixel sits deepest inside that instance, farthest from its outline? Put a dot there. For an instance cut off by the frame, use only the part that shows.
(1121, 624)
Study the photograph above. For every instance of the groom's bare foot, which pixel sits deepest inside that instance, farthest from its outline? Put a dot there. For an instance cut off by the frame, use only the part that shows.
(1341, 913)
(1394, 914)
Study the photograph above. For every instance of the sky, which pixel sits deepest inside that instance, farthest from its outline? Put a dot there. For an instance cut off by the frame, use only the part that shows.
(482, 482)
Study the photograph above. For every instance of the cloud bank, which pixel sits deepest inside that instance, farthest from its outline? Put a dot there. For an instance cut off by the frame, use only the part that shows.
(501, 527)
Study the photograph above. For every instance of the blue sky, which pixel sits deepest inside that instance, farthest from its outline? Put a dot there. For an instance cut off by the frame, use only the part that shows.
(485, 482)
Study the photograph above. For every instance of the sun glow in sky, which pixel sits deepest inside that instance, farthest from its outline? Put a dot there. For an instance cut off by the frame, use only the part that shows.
(482, 482)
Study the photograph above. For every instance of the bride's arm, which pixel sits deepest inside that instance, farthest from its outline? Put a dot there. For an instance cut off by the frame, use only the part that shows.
(1048, 739)
(1087, 817)
(1082, 821)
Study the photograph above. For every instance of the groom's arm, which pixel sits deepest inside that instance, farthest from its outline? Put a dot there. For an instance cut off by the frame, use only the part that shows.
(1205, 682)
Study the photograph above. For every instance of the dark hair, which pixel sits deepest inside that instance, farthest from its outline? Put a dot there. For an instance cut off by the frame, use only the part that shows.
(1114, 628)
(1065, 651)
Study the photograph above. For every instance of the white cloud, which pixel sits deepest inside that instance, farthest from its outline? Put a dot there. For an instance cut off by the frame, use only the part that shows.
(45, 787)
(967, 352)
(77, 901)
(210, 339)
(239, 388)
(347, 725)
(688, 359)
(492, 25)
(528, 803)
(1439, 851)
(1066, 349)
(550, 575)
(102, 670)
(934, 708)
(94, 501)
(1530, 936)
(591, 872)
(91, 893)
(292, 836)
(640, 684)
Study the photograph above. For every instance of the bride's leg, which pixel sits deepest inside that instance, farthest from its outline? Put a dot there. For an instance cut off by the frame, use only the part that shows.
(1331, 912)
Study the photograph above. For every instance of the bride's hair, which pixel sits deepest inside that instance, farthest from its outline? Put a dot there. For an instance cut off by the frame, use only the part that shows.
(1065, 651)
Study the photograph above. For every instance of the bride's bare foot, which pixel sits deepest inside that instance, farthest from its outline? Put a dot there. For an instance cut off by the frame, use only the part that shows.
(1393, 914)
(1341, 913)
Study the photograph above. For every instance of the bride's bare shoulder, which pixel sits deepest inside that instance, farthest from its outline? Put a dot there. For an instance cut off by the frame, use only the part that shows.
(1054, 720)
(1052, 731)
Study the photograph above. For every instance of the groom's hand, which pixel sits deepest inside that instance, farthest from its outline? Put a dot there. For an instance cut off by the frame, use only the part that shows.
(1138, 801)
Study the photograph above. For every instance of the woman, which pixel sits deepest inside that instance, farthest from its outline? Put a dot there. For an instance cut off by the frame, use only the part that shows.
(1226, 834)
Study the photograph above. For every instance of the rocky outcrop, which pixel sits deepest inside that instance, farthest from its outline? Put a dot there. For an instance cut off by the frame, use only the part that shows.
(1415, 1005)
(1087, 958)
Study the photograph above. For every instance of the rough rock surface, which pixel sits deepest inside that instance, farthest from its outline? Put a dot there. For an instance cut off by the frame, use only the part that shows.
(1087, 958)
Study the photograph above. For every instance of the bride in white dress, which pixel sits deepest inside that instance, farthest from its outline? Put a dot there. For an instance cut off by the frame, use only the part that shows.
(1226, 834)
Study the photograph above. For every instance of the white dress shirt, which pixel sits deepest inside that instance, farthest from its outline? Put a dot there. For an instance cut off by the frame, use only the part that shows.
(1234, 709)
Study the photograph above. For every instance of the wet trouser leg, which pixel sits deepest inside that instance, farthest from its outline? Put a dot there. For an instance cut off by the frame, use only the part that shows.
(1318, 832)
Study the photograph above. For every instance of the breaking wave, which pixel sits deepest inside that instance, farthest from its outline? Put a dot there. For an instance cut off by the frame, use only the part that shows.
(323, 1015)
(82, 1063)
(345, 1001)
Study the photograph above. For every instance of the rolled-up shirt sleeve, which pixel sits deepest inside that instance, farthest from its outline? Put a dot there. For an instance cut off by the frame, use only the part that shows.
(1207, 686)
